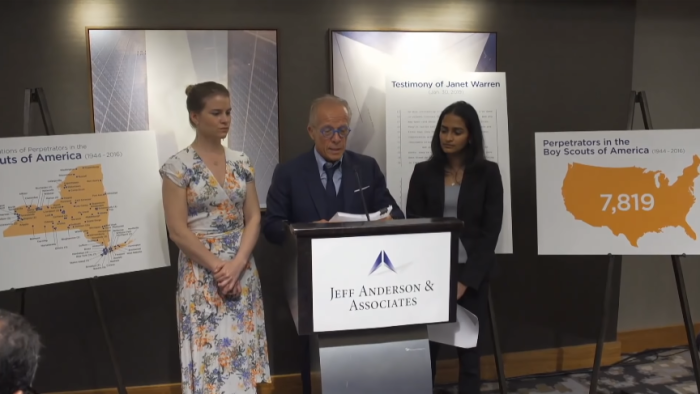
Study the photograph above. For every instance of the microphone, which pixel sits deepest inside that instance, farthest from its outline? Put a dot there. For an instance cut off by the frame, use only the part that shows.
(362, 193)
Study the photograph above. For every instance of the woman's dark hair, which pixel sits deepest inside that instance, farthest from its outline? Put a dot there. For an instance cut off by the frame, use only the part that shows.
(474, 151)
(198, 94)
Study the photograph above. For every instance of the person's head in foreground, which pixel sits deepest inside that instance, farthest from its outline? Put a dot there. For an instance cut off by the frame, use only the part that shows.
(329, 126)
(458, 135)
(209, 107)
(19, 354)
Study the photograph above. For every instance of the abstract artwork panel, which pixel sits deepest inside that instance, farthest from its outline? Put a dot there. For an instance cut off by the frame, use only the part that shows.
(139, 77)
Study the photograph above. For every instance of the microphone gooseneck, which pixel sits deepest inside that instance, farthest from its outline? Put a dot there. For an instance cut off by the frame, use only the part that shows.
(362, 193)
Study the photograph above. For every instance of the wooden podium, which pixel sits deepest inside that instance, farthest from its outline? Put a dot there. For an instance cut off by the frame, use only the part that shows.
(365, 292)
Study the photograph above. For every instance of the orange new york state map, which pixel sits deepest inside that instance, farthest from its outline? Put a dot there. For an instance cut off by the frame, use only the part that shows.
(584, 184)
(83, 205)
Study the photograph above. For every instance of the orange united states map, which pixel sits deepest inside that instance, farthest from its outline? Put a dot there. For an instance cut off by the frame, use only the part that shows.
(654, 203)
(83, 205)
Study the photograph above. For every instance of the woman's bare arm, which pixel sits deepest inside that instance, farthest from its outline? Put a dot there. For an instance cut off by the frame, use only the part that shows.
(230, 274)
(175, 205)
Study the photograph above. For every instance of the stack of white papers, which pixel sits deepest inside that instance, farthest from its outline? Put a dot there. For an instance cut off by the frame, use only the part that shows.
(463, 333)
(354, 217)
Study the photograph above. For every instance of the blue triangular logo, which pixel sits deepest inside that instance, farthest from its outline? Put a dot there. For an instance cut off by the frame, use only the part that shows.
(382, 259)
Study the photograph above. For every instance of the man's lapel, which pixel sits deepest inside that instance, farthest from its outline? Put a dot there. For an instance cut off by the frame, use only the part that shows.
(313, 181)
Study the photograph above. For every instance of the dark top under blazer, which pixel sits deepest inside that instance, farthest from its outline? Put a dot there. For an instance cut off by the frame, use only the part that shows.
(479, 206)
(297, 195)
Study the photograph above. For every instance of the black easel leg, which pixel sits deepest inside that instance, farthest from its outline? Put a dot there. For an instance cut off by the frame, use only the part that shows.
(603, 325)
(687, 318)
(27, 123)
(120, 383)
(45, 114)
(497, 355)
(22, 293)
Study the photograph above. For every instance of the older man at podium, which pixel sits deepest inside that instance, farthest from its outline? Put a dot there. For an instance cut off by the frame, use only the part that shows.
(327, 179)
(324, 181)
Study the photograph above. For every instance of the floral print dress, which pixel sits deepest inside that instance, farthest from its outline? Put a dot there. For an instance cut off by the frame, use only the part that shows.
(223, 345)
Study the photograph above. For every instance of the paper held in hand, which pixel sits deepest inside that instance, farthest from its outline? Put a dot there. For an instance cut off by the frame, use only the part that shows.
(463, 333)
(353, 217)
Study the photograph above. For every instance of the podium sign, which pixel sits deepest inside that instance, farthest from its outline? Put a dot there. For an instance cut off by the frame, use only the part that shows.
(364, 293)
(380, 281)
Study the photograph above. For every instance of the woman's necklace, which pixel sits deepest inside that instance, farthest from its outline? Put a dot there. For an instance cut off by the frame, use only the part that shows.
(456, 179)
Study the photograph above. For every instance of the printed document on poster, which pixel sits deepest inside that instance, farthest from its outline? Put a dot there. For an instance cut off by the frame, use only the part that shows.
(413, 107)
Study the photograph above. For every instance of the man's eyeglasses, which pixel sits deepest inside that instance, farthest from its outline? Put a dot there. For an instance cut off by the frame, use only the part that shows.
(327, 132)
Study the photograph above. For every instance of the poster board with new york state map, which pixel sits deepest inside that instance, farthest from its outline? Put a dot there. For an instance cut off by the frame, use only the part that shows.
(629, 192)
(79, 206)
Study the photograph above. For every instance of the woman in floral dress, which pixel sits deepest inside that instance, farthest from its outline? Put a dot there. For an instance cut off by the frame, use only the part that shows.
(213, 216)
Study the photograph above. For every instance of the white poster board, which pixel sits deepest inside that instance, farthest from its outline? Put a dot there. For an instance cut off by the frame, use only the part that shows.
(79, 206)
(380, 281)
(413, 106)
(361, 60)
(618, 192)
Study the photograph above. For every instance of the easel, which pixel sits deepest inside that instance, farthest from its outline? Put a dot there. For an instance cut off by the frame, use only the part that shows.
(641, 99)
(36, 96)
(497, 355)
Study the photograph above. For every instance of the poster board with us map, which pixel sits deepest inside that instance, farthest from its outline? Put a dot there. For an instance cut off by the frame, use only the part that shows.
(629, 192)
(79, 206)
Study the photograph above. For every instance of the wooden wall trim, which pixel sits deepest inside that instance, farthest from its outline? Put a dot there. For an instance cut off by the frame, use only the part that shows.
(635, 341)
(516, 364)
(534, 362)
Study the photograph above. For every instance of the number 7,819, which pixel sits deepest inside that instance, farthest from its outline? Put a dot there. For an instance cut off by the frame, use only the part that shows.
(625, 202)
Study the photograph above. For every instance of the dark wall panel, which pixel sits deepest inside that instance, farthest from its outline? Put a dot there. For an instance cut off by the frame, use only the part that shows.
(568, 65)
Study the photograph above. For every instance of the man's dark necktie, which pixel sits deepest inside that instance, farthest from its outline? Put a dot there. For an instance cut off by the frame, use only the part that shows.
(331, 195)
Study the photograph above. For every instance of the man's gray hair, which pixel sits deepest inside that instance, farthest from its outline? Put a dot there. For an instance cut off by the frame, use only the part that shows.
(19, 352)
(328, 98)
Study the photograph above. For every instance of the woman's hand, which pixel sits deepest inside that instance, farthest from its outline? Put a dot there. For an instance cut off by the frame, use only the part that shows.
(233, 290)
(228, 274)
(461, 289)
(237, 290)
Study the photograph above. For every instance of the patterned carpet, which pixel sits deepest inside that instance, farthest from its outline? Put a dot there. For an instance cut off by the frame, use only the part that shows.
(663, 371)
